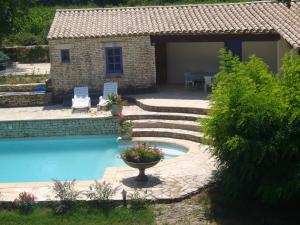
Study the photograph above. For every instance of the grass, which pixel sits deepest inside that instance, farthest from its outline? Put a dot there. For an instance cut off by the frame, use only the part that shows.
(212, 207)
(23, 79)
(81, 215)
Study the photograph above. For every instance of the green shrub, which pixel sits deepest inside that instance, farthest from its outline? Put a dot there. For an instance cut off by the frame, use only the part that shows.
(28, 54)
(254, 128)
(65, 192)
(138, 200)
(37, 54)
(101, 191)
(25, 202)
(24, 39)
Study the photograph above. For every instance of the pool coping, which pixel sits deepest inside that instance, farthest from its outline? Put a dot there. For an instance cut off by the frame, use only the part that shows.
(116, 175)
(61, 118)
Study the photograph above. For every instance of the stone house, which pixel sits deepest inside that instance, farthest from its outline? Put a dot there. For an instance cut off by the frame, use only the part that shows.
(142, 47)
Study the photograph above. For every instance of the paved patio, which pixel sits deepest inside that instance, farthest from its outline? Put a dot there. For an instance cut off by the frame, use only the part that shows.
(24, 68)
(63, 112)
(170, 179)
(175, 96)
(47, 112)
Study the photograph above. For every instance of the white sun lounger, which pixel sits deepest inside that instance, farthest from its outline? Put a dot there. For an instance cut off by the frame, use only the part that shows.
(108, 89)
(81, 98)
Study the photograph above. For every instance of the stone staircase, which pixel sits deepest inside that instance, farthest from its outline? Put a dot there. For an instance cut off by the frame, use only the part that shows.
(170, 124)
(179, 125)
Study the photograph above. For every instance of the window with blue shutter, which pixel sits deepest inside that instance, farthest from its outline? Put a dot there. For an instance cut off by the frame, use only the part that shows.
(114, 61)
(65, 55)
(235, 46)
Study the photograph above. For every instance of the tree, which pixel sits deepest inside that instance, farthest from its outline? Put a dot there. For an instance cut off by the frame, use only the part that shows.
(9, 10)
(254, 128)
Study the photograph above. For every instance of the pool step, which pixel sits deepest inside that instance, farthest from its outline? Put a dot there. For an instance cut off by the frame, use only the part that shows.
(172, 124)
(164, 116)
(167, 132)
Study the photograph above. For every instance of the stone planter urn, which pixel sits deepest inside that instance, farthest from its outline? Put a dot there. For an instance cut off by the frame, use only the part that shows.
(127, 135)
(141, 167)
(116, 109)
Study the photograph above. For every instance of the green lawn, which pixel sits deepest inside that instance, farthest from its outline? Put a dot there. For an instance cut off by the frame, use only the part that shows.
(81, 215)
(210, 207)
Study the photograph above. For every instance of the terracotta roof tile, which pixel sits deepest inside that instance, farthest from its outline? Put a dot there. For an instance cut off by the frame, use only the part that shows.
(252, 17)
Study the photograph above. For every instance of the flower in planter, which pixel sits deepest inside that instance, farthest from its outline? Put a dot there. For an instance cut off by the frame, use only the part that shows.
(142, 153)
(115, 99)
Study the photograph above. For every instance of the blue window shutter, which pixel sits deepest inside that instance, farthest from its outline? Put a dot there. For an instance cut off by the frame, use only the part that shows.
(114, 60)
(65, 55)
(235, 46)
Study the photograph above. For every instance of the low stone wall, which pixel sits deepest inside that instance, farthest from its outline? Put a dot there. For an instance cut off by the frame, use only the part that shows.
(19, 87)
(59, 127)
(10, 99)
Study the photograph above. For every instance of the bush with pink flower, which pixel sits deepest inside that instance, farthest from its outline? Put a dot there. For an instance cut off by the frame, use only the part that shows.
(25, 202)
(142, 153)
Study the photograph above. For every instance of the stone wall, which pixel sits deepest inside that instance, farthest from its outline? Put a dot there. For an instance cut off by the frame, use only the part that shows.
(10, 99)
(59, 127)
(19, 87)
(87, 63)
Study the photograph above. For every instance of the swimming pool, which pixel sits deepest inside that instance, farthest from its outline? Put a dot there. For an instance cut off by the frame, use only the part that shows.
(63, 158)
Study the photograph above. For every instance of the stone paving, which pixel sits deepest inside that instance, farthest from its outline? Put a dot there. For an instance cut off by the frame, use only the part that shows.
(24, 68)
(175, 95)
(170, 179)
(63, 112)
(47, 112)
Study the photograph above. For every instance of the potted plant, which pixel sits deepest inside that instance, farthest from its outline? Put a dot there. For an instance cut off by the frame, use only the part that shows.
(142, 156)
(125, 127)
(115, 104)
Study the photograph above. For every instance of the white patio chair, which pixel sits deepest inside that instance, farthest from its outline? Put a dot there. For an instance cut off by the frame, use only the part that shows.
(188, 79)
(81, 98)
(108, 89)
(207, 82)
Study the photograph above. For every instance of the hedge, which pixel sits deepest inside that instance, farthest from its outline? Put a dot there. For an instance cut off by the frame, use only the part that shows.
(28, 54)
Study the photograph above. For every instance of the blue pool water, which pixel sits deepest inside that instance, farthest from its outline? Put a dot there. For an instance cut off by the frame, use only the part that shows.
(63, 158)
